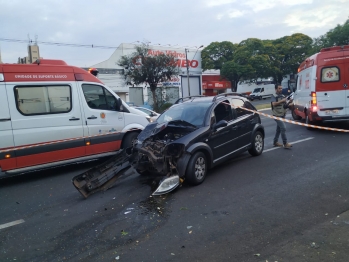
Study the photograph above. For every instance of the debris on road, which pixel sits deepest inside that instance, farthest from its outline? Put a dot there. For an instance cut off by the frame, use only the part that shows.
(314, 245)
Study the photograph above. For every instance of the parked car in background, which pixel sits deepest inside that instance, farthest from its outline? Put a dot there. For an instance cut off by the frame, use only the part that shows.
(152, 114)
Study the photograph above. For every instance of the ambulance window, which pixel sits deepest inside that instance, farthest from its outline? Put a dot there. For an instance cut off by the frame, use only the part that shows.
(329, 74)
(39, 100)
(97, 97)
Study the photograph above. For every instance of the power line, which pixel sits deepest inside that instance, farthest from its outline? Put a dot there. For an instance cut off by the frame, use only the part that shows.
(89, 45)
(57, 43)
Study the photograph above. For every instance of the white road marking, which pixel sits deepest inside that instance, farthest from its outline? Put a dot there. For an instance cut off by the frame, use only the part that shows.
(10, 224)
(295, 142)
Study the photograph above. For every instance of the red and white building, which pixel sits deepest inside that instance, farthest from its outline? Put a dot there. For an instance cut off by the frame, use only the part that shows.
(112, 74)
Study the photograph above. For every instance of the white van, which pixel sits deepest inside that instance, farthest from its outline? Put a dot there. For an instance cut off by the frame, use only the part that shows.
(262, 92)
(54, 114)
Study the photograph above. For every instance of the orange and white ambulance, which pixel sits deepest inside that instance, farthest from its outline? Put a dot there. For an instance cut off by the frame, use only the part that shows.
(54, 114)
(322, 92)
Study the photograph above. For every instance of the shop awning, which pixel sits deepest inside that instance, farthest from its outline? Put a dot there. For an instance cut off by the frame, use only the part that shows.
(216, 84)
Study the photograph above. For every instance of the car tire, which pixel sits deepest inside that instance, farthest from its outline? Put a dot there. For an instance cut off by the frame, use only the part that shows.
(308, 122)
(129, 140)
(197, 169)
(295, 116)
(257, 144)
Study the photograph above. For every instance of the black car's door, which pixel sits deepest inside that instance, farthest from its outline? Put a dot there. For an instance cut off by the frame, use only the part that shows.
(245, 120)
(223, 141)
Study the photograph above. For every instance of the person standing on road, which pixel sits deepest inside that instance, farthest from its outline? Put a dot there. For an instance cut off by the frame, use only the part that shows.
(279, 107)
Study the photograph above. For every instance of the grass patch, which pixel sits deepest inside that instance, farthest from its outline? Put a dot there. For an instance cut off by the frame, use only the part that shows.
(262, 106)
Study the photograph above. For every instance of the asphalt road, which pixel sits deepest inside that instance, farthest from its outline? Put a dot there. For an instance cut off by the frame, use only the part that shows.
(285, 205)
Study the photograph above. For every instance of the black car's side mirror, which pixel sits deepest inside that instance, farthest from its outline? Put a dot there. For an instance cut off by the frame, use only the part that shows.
(220, 124)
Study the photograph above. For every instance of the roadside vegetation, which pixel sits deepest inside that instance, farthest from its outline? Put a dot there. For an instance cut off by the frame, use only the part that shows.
(255, 58)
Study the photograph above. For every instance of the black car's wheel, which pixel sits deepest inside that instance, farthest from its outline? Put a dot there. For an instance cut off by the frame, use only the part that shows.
(295, 116)
(197, 169)
(130, 140)
(257, 144)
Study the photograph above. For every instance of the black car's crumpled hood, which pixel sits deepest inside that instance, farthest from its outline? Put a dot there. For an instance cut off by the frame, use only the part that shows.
(162, 129)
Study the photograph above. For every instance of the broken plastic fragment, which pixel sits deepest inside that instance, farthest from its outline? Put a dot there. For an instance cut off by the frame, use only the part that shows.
(189, 227)
(172, 254)
(127, 212)
(117, 258)
(257, 255)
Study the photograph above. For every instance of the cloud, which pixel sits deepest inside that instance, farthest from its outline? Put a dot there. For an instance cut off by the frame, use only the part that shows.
(259, 5)
(235, 13)
(325, 16)
(182, 22)
(212, 3)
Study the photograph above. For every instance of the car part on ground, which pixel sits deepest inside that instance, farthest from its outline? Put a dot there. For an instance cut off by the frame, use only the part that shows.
(100, 177)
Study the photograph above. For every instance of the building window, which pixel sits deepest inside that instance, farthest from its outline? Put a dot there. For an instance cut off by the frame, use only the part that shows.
(42, 100)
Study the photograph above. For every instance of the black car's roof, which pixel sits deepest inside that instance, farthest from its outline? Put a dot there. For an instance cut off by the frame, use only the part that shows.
(208, 99)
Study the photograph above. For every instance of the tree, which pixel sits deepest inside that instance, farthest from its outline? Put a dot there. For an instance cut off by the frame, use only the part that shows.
(249, 62)
(291, 52)
(216, 54)
(143, 67)
(335, 37)
(235, 72)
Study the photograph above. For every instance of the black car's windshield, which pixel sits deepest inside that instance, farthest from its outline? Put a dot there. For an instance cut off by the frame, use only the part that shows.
(192, 113)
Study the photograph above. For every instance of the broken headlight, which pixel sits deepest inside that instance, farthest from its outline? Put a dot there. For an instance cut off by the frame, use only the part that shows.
(167, 185)
(174, 150)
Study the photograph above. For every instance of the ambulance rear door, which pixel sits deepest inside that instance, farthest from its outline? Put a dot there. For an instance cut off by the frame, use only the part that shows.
(346, 77)
(331, 91)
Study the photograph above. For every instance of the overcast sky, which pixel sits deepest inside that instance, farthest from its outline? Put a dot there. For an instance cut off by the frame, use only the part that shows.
(176, 22)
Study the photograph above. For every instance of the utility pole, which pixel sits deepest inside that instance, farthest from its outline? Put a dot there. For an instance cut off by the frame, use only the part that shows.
(187, 62)
(186, 58)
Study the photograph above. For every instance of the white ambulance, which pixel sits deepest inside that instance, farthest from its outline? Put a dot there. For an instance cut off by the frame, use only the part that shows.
(54, 114)
(322, 92)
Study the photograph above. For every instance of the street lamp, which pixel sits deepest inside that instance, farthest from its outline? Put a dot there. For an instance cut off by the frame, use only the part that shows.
(186, 58)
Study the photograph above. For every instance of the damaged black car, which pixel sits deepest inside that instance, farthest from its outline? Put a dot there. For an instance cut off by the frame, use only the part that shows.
(196, 134)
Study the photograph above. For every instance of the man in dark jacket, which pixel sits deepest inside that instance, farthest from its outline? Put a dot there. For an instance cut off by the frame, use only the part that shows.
(279, 107)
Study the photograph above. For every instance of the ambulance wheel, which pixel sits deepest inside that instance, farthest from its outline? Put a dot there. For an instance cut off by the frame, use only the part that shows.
(308, 122)
(295, 116)
(129, 140)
